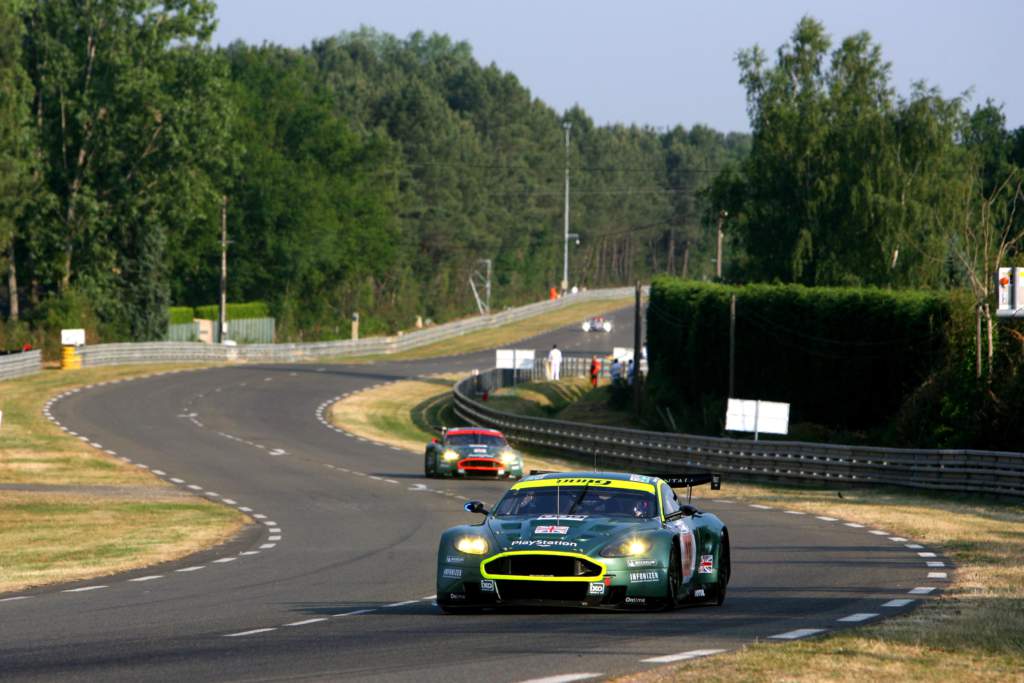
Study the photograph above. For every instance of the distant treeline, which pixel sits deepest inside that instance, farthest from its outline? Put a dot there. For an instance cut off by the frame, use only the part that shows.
(364, 172)
(371, 173)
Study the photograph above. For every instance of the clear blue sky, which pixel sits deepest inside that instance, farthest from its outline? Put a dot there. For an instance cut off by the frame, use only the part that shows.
(664, 63)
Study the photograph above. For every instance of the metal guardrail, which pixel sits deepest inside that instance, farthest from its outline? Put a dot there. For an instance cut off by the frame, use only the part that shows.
(171, 352)
(20, 364)
(787, 461)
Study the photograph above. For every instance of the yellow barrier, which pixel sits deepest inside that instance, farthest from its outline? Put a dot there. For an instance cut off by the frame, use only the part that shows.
(69, 358)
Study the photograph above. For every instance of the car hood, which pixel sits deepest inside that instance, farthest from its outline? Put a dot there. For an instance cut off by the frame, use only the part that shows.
(575, 533)
(477, 449)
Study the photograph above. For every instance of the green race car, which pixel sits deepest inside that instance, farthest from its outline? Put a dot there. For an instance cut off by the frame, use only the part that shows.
(472, 451)
(586, 539)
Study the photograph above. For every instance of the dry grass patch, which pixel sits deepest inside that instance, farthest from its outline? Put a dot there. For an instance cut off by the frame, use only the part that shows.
(48, 537)
(51, 538)
(401, 414)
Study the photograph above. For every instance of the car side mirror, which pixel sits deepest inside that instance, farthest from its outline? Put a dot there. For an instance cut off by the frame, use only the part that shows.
(689, 511)
(475, 506)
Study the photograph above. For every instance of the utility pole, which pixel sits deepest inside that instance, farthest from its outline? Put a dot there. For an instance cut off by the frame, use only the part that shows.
(567, 126)
(222, 314)
(732, 346)
(637, 352)
(722, 215)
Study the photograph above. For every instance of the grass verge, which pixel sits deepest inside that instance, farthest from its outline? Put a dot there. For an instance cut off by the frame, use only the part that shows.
(108, 516)
(973, 632)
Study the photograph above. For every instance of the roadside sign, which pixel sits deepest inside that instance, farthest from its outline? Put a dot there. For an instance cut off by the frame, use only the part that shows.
(757, 417)
(514, 359)
(72, 337)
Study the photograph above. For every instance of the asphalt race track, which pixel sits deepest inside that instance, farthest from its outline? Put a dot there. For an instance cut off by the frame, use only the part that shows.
(336, 580)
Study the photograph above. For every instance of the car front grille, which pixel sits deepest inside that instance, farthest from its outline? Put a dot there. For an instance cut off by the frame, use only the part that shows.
(536, 564)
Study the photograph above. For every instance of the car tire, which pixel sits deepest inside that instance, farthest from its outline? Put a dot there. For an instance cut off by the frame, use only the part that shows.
(724, 570)
(675, 578)
(428, 471)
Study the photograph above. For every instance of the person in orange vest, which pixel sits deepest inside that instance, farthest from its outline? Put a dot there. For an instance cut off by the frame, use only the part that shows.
(553, 294)
(595, 371)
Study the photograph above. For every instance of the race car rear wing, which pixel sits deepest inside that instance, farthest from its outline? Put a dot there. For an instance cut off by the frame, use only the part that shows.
(675, 480)
(693, 479)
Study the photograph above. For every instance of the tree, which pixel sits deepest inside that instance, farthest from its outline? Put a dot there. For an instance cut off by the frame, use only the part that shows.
(16, 144)
(132, 122)
(846, 183)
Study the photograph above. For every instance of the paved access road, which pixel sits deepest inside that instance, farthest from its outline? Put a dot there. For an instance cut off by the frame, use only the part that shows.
(336, 580)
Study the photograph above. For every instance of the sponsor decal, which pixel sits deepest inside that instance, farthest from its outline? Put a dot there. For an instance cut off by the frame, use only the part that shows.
(546, 543)
(551, 529)
(699, 593)
(597, 589)
(644, 577)
(636, 601)
(487, 586)
(568, 518)
(640, 478)
(584, 480)
(456, 596)
(707, 564)
(455, 559)
(633, 564)
(452, 573)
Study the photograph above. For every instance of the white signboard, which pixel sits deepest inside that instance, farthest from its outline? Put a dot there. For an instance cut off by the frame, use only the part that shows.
(72, 337)
(623, 353)
(757, 416)
(518, 359)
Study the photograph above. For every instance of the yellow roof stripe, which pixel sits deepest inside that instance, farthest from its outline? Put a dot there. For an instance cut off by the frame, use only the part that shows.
(586, 481)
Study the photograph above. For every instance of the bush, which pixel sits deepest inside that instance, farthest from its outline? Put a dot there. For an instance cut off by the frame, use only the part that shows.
(842, 357)
(252, 309)
(180, 315)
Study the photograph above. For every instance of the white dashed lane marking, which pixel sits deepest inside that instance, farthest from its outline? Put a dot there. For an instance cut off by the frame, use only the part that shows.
(937, 575)
(17, 597)
(859, 616)
(83, 589)
(563, 678)
(191, 569)
(922, 590)
(692, 654)
(899, 602)
(798, 633)
(147, 578)
(307, 621)
(249, 633)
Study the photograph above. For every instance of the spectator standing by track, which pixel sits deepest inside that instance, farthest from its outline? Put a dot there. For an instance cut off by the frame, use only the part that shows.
(616, 371)
(555, 363)
(595, 371)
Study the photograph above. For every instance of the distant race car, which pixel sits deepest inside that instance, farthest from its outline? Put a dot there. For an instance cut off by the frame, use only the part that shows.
(586, 539)
(597, 324)
(471, 451)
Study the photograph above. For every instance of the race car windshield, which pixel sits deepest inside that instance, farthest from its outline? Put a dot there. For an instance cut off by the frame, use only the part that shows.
(474, 440)
(577, 500)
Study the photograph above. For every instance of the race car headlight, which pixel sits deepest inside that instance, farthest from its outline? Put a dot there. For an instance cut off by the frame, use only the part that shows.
(471, 545)
(509, 457)
(631, 547)
(449, 456)
(586, 327)
(607, 327)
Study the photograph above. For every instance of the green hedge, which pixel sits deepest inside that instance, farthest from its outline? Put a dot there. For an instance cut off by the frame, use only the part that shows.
(252, 309)
(841, 357)
(179, 315)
